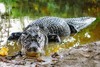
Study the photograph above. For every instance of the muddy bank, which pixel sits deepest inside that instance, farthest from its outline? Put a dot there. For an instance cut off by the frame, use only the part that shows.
(81, 56)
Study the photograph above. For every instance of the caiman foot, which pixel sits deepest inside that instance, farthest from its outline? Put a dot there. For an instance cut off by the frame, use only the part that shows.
(54, 38)
(14, 56)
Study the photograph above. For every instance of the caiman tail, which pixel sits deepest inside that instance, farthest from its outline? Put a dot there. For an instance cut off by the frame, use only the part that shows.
(80, 23)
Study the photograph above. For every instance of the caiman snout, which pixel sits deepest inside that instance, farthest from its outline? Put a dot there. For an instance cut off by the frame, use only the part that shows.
(32, 49)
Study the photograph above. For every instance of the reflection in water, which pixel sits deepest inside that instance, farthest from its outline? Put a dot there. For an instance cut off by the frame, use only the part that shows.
(87, 35)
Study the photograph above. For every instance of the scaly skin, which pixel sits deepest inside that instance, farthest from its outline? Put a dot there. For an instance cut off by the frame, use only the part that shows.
(61, 26)
(52, 25)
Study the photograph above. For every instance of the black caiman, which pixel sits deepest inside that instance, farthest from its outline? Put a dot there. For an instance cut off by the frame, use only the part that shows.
(37, 34)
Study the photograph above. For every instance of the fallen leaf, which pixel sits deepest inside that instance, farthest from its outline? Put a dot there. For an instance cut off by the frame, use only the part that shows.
(4, 51)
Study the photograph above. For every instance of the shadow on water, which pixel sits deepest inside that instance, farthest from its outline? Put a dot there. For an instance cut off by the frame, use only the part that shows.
(87, 35)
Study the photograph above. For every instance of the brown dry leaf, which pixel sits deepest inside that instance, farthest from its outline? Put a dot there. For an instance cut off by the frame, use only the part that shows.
(40, 60)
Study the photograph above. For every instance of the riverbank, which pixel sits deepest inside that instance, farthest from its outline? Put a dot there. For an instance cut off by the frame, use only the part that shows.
(80, 56)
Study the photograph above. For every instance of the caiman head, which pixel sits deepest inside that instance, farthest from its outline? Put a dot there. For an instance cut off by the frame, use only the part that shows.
(33, 39)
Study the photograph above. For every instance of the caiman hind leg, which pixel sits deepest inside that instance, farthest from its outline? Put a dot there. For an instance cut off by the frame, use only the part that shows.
(54, 38)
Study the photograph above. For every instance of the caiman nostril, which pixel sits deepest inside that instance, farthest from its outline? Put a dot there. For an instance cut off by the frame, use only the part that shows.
(32, 49)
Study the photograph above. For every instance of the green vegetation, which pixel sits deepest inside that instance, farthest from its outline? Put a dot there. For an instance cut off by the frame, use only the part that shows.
(62, 8)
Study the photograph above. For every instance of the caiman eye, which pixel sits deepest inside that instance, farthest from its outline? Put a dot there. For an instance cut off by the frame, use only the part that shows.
(39, 37)
(36, 36)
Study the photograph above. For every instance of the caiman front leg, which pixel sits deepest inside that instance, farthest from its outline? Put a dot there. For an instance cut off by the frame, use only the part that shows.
(54, 38)
(14, 56)
(14, 36)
